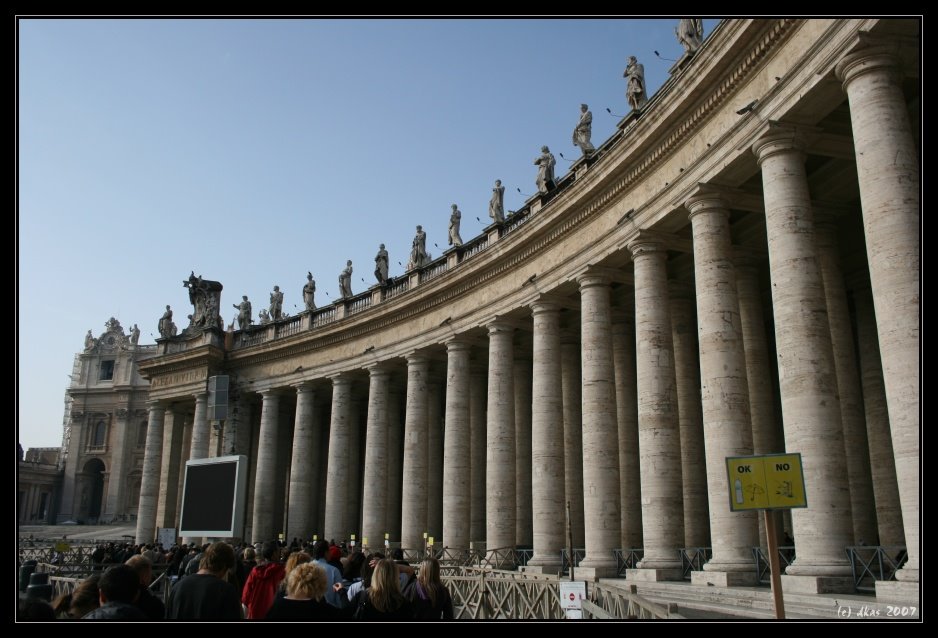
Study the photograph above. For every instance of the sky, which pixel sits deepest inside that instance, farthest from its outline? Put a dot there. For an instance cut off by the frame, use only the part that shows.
(252, 151)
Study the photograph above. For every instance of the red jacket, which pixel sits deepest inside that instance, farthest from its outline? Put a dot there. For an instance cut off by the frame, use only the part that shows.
(261, 588)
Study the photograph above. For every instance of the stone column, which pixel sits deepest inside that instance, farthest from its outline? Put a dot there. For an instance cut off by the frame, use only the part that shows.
(435, 462)
(169, 474)
(457, 445)
(150, 480)
(183, 454)
(263, 524)
(500, 439)
(882, 461)
(623, 357)
(522, 380)
(724, 390)
(572, 391)
(689, 414)
(353, 510)
(395, 463)
(414, 499)
(659, 438)
(374, 499)
(807, 380)
(69, 504)
(853, 421)
(600, 430)
(337, 470)
(201, 431)
(478, 382)
(547, 471)
(302, 479)
(889, 179)
(115, 484)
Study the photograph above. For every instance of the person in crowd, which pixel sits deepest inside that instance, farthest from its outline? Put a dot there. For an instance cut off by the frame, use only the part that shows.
(151, 606)
(320, 553)
(259, 590)
(81, 601)
(383, 600)
(304, 600)
(118, 592)
(206, 595)
(429, 596)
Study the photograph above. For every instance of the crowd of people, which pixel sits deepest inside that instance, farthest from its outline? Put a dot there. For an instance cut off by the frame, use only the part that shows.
(269, 581)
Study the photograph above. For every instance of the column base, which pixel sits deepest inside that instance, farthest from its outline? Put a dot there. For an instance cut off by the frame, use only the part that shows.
(551, 570)
(817, 584)
(652, 575)
(902, 593)
(724, 579)
(594, 573)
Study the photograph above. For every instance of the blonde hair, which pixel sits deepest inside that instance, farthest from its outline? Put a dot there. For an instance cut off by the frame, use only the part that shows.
(307, 581)
(293, 561)
(429, 579)
(385, 592)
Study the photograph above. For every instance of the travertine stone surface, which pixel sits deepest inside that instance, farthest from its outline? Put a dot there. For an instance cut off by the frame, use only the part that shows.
(547, 452)
(374, 511)
(572, 434)
(723, 385)
(658, 433)
(689, 413)
(302, 480)
(600, 430)
(201, 429)
(395, 462)
(500, 439)
(478, 384)
(862, 504)
(150, 483)
(623, 356)
(523, 379)
(264, 527)
(414, 493)
(337, 469)
(807, 380)
(889, 178)
(169, 474)
(457, 447)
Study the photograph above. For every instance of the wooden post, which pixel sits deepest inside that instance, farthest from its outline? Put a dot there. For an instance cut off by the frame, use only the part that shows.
(775, 567)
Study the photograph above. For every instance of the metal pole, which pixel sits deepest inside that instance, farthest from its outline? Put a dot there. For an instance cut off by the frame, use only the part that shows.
(774, 564)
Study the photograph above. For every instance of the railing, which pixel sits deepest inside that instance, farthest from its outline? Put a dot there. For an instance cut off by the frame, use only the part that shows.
(399, 287)
(786, 554)
(290, 327)
(493, 594)
(578, 555)
(627, 559)
(625, 604)
(433, 270)
(323, 316)
(250, 337)
(523, 555)
(693, 559)
(514, 222)
(870, 563)
(474, 248)
(356, 305)
(499, 558)
(63, 585)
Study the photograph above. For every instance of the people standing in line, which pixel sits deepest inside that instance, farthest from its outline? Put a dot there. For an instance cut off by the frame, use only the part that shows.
(206, 595)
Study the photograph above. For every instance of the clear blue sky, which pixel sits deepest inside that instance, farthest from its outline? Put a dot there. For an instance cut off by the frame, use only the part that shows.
(253, 151)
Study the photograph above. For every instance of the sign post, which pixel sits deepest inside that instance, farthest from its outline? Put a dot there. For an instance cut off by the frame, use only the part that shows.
(768, 482)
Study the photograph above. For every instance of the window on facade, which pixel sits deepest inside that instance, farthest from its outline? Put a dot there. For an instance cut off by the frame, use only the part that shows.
(142, 434)
(100, 430)
(107, 371)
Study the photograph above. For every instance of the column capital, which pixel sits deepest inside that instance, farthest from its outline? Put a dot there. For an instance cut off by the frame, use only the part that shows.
(200, 396)
(302, 387)
(458, 344)
(157, 404)
(269, 393)
(706, 199)
(500, 326)
(874, 55)
(783, 138)
(543, 305)
(343, 378)
(640, 247)
(592, 279)
(379, 369)
(415, 359)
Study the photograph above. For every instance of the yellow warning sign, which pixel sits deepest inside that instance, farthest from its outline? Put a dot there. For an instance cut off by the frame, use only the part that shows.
(771, 481)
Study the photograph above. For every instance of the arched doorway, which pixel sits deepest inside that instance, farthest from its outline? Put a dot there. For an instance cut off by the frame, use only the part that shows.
(92, 490)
